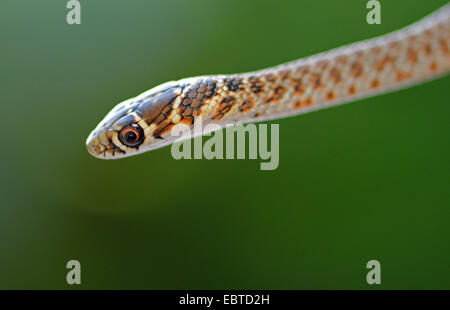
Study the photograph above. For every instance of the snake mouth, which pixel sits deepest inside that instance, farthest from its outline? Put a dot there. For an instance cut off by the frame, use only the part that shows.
(99, 150)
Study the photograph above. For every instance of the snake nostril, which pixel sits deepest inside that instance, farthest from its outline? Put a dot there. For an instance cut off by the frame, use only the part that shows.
(94, 147)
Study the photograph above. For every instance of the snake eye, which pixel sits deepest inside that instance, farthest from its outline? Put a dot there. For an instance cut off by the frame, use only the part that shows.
(131, 135)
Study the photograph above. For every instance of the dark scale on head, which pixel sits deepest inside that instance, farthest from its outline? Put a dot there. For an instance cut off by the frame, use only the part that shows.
(163, 115)
(196, 95)
(193, 98)
(205, 89)
(156, 108)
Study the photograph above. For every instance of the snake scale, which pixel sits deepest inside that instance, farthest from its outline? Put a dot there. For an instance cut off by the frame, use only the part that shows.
(408, 56)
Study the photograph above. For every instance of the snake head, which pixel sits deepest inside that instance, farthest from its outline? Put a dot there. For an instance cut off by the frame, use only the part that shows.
(131, 127)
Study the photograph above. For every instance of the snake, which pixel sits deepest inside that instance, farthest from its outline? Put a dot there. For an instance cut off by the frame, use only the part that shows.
(408, 56)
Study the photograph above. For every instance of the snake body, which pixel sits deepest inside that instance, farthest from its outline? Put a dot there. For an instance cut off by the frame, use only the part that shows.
(397, 60)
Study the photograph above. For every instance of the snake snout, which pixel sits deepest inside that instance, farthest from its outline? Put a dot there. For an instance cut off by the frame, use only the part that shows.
(93, 145)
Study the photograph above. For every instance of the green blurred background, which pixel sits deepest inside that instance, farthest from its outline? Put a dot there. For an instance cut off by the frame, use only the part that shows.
(369, 180)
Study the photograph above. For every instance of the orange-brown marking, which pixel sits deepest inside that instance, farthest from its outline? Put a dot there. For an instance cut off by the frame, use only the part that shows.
(162, 128)
(375, 83)
(246, 105)
(187, 112)
(356, 69)
(376, 50)
(342, 59)
(285, 74)
(394, 45)
(322, 64)
(225, 105)
(444, 46)
(270, 77)
(308, 101)
(256, 85)
(412, 56)
(189, 120)
(303, 70)
(380, 64)
(335, 75)
(195, 103)
(159, 119)
(413, 39)
(401, 76)
(277, 95)
(352, 90)
(330, 95)
(433, 66)
(316, 79)
(299, 87)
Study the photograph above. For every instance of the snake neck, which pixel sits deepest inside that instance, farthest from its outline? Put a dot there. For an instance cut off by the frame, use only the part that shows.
(411, 55)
